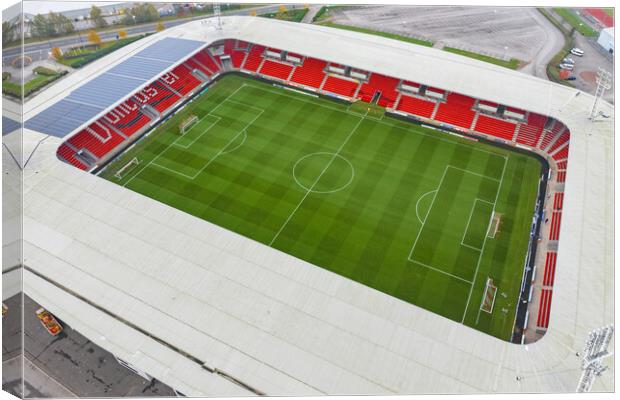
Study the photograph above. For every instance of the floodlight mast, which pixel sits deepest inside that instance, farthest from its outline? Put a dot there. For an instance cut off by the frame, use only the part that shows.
(594, 352)
(603, 83)
(217, 13)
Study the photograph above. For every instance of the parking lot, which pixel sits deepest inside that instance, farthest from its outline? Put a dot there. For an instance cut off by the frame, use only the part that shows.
(587, 66)
(501, 32)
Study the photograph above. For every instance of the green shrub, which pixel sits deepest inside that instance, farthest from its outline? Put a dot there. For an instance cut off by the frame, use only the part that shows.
(44, 71)
(291, 15)
(38, 82)
(105, 49)
(6, 76)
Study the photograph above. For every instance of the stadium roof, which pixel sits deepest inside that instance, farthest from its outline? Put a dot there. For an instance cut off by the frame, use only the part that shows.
(98, 94)
(210, 312)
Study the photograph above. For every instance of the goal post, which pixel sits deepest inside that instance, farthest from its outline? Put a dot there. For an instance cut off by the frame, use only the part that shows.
(488, 298)
(187, 124)
(494, 225)
(125, 169)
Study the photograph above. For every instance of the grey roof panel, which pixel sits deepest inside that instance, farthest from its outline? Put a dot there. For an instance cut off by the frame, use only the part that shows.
(140, 68)
(171, 49)
(61, 118)
(9, 125)
(94, 96)
(105, 90)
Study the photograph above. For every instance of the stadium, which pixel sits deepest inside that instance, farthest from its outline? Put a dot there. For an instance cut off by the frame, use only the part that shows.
(245, 206)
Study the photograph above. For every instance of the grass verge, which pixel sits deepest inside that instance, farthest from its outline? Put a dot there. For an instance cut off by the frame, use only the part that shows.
(87, 56)
(290, 15)
(37, 83)
(513, 63)
(576, 22)
(407, 39)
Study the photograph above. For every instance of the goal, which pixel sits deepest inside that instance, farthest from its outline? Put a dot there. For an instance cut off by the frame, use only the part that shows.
(187, 124)
(496, 219)
(125, 169)
(488, 298)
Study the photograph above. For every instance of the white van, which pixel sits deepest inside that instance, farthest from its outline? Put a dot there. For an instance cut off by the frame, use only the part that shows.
(577, 52)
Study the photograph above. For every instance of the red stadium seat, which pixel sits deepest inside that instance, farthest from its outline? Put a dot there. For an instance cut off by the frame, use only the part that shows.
(556, 220)
(563, 138)
(416, 106)
(68, 154)
(340, 86)
(549, 275)
(379, 83)
(181, 80)
(97, 138)
(157, 96)
(544, 308)
(495, 127)
(255, 58)
(529, 134)
(456, 110)
(276, 69)
(127, 118)
(562, 154)
(310, 73)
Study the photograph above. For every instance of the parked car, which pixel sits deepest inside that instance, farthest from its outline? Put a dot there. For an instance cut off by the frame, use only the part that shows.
(576, 51)
(568, 60)
(571, 78)
(566, 66)
(49, 322)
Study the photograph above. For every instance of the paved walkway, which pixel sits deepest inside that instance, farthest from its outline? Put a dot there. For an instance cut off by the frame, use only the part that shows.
(67, 365)
(554, 41)
(312, 11)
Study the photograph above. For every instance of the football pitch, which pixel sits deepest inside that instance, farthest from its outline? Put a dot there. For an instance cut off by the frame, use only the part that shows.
(413, 212)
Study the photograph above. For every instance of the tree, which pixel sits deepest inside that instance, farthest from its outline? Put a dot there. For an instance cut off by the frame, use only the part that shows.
(8, 31)
(139, 14)
(94, 37)
(60, 23)
(41, 27)
(122, 34)
(160, 26)
(281, 12)
(57, 53)
(96, 18)
(253, 13)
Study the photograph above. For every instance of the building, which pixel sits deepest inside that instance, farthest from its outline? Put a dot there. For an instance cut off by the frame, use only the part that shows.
(606, 39)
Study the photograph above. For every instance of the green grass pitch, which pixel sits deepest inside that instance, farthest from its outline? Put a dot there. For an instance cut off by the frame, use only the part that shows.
(395, 206)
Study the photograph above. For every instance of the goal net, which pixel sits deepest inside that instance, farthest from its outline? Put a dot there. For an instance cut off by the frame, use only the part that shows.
(187, 124)
(488, 298)
(494, 225)
(125, 169)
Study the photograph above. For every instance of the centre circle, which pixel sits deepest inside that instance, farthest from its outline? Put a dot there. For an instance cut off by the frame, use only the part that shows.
(323, 172)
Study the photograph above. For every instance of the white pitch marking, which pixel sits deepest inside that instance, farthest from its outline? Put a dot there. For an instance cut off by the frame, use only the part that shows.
(201, 135)
(417, 214)
(170, 145)
(318, 179)
(471, 213)
(499, 189)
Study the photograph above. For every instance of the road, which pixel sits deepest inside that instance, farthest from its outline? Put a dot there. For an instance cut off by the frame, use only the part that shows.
(39, 49)
(553, 42)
